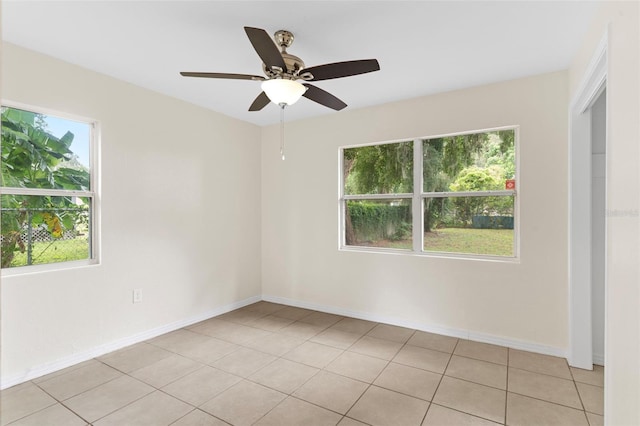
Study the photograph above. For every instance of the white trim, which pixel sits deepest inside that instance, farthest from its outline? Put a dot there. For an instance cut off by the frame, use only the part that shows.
(452, 194)
(48, 267)
(431, 254)
(598, 359)
(516, 204)
(9, 190)
(592, 83)
(418, 195)
(579, 271)
(46, 111)
(41, 370)
(93, 194)
(95, 149)
(417, 205)
(431, 328)
(440, 135)
(403, 195)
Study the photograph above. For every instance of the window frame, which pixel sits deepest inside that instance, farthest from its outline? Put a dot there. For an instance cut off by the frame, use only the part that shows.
(418, 196)
(92, 193)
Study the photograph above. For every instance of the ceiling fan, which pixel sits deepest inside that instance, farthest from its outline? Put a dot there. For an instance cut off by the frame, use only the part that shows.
(283, 71)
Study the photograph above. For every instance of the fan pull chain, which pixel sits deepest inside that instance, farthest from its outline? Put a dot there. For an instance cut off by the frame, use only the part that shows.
(282, 130)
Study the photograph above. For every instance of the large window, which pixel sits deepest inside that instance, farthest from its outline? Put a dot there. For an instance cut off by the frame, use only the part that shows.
(47, 194)
(450, 195)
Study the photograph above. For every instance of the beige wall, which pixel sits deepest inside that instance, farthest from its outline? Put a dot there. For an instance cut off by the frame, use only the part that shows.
(179, 171)
(518, 303)
(180, 219)
(622, 351)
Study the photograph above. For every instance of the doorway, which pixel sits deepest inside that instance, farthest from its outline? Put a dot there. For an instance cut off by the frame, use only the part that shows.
(587, 207)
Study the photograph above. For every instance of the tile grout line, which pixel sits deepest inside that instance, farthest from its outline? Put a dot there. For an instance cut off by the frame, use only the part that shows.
(290, 395)
(547, 401)
(374, 379)
(584, 409)
(440, 381)
(506, 387)
(62, 402)
(56, 402)
(543, 374)
(287, 395)
(159, 389)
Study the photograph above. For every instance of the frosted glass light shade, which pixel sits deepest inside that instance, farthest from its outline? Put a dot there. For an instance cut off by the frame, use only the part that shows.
(283, 91)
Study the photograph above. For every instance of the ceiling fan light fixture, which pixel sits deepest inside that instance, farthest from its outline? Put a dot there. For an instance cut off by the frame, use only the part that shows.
(283, 91)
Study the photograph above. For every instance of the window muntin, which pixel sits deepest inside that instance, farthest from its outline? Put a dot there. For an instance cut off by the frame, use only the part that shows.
(468, 190)
(47, 190)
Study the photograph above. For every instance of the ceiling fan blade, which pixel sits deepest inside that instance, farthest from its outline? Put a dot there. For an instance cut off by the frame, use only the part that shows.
(322, 97)
(260, 102)
(340, 69)
(266, 48)
(223, 75)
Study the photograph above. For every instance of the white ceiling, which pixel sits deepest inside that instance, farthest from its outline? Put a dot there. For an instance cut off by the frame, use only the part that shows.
(423, 47)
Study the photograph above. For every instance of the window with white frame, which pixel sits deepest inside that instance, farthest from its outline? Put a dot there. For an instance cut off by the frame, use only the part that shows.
(47, 194)
(452, 194)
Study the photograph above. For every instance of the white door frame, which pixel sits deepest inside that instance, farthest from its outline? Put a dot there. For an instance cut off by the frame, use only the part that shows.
(580, 325)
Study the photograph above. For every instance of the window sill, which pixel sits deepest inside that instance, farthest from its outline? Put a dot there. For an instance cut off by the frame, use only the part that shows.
(431, 254)
(48, 267)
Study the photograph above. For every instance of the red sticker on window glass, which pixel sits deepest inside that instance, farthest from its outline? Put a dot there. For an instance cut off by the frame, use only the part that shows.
(510, 184)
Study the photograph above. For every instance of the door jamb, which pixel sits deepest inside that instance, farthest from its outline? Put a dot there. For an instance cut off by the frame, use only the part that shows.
(580, 322)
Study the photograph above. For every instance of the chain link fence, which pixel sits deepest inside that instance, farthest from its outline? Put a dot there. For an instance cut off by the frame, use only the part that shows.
(32, 234)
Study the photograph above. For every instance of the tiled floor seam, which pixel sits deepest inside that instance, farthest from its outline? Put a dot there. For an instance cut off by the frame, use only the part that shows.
(402, 393)
(435, 392)
(314, 404)
(476, 359)
(177, 420)
(288, 395)
(506, 386)
(547, 401)
(590, 384)
(475, 383)
(543, 374)
(464, 412)
(369, 385)
(584, 411)
(62, 402)
(366, 390)
(30, 414)
(155, 389)
(122, 407)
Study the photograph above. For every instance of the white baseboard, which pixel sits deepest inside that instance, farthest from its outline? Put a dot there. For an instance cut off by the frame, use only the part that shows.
(598, 359)
(76, 358)
(431, 328)
(41, 370)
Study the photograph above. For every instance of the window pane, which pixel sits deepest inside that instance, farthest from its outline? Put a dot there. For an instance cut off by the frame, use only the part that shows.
(477, 225)
(473, 162)
(378, 223)
(41, 229)
(378, 169)
(40, 151)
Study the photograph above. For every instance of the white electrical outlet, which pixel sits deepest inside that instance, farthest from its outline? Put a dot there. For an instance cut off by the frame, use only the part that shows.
(137, 295)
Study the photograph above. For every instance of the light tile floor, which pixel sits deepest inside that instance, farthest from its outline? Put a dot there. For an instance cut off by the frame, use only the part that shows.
(270, 364)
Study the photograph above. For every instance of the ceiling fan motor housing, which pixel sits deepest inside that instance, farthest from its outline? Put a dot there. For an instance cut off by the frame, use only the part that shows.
(294, 64)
